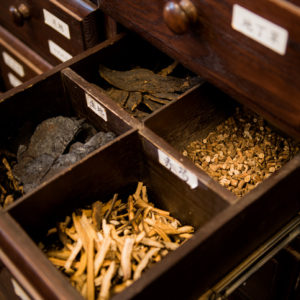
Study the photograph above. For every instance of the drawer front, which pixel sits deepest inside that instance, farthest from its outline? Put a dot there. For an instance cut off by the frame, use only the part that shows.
(251, 62)
(57, 30)
(18, 63)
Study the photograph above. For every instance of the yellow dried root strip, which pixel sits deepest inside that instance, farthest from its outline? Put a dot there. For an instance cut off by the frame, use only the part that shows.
(73, 254)
(126, 258)
(141, 203)
(90, 271)
(144, 262)
(61, 262)
(152, 243)
(131, 214)
(11, 176)
(106, 283)
(144, 194)
(138, 189)
(113, 202)
(100, 256)
(81, 265)
(60, 254)
(120, 287)
(97, 214)
(80, 231)
(168, 228)
(88, 228)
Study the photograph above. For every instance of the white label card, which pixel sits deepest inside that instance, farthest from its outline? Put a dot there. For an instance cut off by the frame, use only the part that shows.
(19, 291)
(13, 64)
(57, 24)
(177, 169)
(13, 80)
(259, 29)
(59, 52)
(96, 107)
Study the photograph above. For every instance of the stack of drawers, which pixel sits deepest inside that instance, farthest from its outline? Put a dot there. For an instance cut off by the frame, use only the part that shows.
(37, 35)
(249, 55)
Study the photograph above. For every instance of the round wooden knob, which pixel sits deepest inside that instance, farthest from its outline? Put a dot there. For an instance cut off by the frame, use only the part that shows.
(179, 16)
(19, 14)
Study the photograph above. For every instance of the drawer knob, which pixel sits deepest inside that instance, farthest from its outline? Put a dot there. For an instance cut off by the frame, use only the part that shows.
(19, 14)
(179, 16)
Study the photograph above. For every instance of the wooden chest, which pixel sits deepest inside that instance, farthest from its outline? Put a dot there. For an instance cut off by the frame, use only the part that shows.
(226, 229)
(56, 30)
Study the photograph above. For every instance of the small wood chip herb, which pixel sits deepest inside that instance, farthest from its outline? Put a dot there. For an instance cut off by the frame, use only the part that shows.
(241, 152)
(107, 247)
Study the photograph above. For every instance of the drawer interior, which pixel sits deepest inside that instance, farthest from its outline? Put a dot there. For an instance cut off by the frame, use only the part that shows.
(115, 169)
(132, 54)
(203, 117)
(58, 96)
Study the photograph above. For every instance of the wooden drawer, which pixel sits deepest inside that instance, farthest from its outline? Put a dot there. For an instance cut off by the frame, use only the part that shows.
(18, 63)
(57, 30)
(226, 230)
(261, 78)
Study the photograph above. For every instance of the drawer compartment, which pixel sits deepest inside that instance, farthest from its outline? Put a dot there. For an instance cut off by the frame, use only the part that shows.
(18, 63)
(99, 177)
(54, 132)
(63, 29)
(233, 145)
(254, 74)
(137, 76)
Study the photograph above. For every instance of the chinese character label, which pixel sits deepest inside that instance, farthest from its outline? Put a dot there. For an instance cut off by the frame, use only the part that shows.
(177, 169)
(259, 29)
(96, 107)
(58, 52)
(13, 64)
(56, 24)
(13, 80)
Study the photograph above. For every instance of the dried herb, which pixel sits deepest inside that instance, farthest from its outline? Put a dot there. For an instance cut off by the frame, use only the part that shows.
(10, 188)
(56, 144)
(141, 91)
(102, 260)
(241, 152)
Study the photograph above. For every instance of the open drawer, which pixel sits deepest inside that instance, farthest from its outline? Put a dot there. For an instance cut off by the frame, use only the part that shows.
(226, 230)
(250, 50)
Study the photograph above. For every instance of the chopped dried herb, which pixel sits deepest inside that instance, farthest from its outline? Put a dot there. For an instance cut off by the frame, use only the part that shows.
(101, 261)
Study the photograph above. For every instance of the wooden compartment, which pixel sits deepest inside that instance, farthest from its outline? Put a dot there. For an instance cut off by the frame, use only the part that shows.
(115, 169)
(263, 79)
(132, 53)
(18, 62)
(193, 118)
(56, 30)
(60, 94)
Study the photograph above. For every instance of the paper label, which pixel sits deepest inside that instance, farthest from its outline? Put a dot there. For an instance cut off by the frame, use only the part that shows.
(56, 24)
(96, 107)
(13, 80)
(259, 29)
(13, 64)
(59, 52)
(177, 169)
(19, 291)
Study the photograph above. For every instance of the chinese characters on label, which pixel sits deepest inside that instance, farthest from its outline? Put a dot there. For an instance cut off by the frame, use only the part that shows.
(56, 24)
(96, 107)
(259, 29)
(58, 52)
(177, 169)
